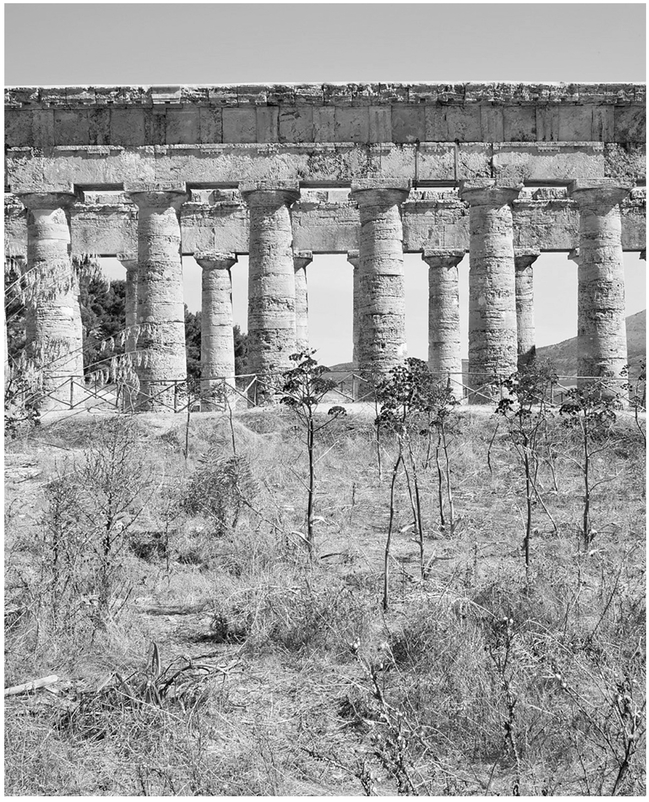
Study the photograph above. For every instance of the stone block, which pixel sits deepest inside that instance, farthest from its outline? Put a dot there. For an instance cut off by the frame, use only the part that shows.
(519, 123)
(542, 163)
(324, 124)
(295, 124)
(575, 123)
(436, 124)
(239, 125)
(463, 123)
(43, 128)
(182, 126)
(408, 123)
(127, 127)
(472, 161)
(18, 127)
(628, 162)
(99, 125)
(211, 125)
(352, 124)
(603, 123)
(492, 123)
(435, 162)
(267, 124)
(547, 123)
(630, 123)
(70, 127)
(380, 123)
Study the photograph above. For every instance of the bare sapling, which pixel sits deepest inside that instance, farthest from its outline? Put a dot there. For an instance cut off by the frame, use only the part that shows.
(590, 411)
(303, 390)
(526, 413)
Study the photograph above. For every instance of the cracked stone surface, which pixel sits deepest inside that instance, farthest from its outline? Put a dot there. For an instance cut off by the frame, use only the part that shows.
(161, 359)
(217, 337)
(601, 331)
(382, 307)
(54, 318)
(271, 283)
(524, 283)
(492, 294)
(444, 343)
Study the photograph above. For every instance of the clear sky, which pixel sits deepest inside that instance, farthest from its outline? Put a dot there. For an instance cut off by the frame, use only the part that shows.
(210, 43)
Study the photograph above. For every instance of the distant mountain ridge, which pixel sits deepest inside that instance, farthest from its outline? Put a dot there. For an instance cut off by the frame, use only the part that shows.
(563, 355)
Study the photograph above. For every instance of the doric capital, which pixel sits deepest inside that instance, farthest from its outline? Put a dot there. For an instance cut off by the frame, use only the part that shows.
(486, 192)
(573, 255)
(129, 260)
(47, 199)
(270, 193)
(214, 260)
(525, 257)
(599, 194)
(157, 196)
(443, 257)
(353, 257)
(373, 191)
(301, 259)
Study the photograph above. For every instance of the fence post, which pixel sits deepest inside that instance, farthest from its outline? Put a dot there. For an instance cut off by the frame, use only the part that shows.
(71, 392)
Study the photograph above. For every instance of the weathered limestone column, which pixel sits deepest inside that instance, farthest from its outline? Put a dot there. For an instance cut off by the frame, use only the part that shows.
(492, 294)
(444, 343)
(300, 261)
(160, 362)
(271, 283)
(128, 378)
(217, 337)
(524, 258)
(601, 331)
(381, 287)
(354, 260)
(53, 318)
(130, 262)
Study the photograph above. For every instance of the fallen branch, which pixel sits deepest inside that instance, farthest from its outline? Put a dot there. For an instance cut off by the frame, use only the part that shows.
(34, 685)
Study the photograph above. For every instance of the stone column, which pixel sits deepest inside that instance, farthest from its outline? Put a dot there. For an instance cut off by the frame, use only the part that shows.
(492, 295)
(381, 287)
(444, 343)
(524, 258)
(271, 283)
(300, 261)
(601, 331)
(217, 337)
(54, 316)
(354, 261)
(160, 362)
(130, 262)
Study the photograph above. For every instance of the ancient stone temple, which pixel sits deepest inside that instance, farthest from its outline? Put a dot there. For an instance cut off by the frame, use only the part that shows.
(498, 172)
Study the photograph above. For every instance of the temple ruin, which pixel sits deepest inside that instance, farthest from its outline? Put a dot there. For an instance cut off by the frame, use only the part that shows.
(501, 172)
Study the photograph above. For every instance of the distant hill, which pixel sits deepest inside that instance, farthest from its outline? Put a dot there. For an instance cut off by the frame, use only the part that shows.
(563, 356)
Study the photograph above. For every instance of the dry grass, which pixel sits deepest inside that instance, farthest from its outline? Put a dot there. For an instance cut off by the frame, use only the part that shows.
(484, 679)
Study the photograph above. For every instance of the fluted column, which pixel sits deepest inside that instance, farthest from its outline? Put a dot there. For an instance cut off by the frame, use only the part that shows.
(130, 262)
(354, 260)
(160, 362)
(271, 283)
(382, 305)
(444, 343)
(601, 331)
(217, 337)
(524, 282)
(53, 305)
(300, 261)
(492, 294)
